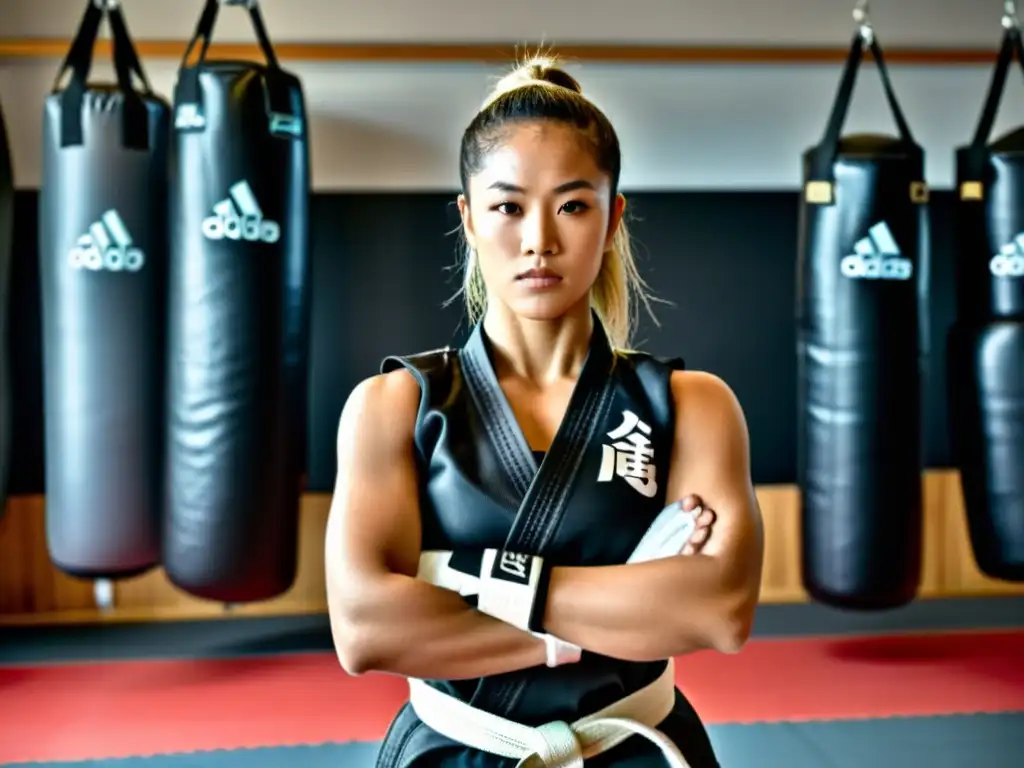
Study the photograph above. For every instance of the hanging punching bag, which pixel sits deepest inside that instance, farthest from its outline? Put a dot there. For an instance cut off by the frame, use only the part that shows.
(6, 246)
(861, 274)
(102, 236)
(986, 343)
(239, 303)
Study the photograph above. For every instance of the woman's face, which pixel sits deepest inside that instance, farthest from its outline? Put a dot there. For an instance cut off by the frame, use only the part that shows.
(540, 220)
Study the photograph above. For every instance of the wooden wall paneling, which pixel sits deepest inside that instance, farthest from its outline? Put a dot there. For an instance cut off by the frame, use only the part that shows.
(29, 583)
(497, 53)
(935, 511)
(961, 574)
(780, 576)
(33, 591)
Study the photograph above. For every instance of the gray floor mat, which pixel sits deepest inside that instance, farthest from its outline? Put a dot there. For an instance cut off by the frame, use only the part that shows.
(956, 741)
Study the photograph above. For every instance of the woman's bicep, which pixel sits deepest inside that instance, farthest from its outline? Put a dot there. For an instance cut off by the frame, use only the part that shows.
(711, 458)
(373, 528)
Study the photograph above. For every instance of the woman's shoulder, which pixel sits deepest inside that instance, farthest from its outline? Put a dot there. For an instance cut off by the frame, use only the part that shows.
(703, 399)
(693, 394)
(386, 395)
(701, 388)
(406, 384)
(433, 370)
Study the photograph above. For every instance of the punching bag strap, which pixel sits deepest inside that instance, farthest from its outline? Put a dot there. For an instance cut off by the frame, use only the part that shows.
(122, 37)
(820, 182)
(188, 94)
(126, 63)
(135, 116)
(972, 184)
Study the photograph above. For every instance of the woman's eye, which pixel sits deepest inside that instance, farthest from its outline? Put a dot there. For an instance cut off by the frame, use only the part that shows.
(512, 209)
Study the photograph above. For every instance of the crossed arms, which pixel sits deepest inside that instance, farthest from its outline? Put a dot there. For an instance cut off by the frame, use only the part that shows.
(383, 619)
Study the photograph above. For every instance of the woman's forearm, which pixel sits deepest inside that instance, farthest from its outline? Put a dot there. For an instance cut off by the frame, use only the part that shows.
(648, 611)
(415, 629)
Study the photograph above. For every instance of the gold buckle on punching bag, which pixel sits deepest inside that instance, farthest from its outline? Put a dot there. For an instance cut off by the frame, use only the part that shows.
(818, 192)
(919, 192)
(972, 190)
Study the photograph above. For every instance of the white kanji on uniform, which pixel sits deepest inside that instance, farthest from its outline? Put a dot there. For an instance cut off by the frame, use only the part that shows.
(631, 456)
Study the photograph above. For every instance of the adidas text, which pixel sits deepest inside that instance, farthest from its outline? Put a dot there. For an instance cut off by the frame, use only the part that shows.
(1005, 265)
(239, 217)
(877, 257)
(107, 247)
(876, 268)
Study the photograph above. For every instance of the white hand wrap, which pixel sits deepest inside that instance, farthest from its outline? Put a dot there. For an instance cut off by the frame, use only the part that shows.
(435, 568)
(508, 586)
(668, 534)
(559, 651)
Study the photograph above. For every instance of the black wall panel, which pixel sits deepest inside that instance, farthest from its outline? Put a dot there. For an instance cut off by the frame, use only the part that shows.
(384, 264)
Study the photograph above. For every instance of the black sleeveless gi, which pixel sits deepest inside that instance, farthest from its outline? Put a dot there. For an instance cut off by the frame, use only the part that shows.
(588, 503)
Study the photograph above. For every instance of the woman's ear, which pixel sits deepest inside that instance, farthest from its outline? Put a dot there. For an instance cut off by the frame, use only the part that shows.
(467, 221)
(618, 209)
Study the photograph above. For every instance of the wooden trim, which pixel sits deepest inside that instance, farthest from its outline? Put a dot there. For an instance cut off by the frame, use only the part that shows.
(502, 53)
(32, 591)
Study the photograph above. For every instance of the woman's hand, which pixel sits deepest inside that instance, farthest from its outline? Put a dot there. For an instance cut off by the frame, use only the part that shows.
(705, 520)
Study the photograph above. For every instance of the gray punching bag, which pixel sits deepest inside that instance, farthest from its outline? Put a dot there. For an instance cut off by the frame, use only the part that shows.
(6, 246)
(103, 235)
(238, 335)
(862, 282)
(985, 346)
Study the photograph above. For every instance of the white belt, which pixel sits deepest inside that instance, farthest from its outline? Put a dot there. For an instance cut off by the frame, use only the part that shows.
(557, 744)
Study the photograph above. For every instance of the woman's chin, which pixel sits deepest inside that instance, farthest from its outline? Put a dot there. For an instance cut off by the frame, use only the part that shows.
(545, 308)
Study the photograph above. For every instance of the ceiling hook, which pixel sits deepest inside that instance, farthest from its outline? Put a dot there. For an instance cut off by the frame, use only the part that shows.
(1010, 20)
(862, 17)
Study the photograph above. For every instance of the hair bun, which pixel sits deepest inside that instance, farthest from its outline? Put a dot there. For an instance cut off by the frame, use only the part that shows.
(545, 69)
(549, 70)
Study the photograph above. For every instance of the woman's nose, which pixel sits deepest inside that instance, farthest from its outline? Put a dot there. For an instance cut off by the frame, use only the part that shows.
(539, 234)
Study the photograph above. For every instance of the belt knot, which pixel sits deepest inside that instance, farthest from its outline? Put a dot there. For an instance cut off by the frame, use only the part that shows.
(556, 746)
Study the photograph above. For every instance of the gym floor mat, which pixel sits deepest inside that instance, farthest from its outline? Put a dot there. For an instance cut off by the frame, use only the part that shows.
(142, 707)
(66, 696)
(960, 741)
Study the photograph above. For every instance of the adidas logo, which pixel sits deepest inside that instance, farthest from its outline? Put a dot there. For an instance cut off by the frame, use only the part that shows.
(107, 246)
(1009, 262)
(877, 257)
(188, 116)
(238, 217)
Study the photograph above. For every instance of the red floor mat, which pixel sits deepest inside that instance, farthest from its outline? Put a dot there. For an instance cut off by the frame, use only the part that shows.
(85, 711)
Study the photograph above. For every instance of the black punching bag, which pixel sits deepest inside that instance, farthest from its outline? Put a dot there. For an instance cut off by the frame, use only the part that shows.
(239, 305)
(102, 260)
(6, 246)
(986, 343)
(861, 276)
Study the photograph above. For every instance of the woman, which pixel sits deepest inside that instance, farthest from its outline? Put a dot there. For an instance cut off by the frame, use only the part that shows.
(488, 499)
